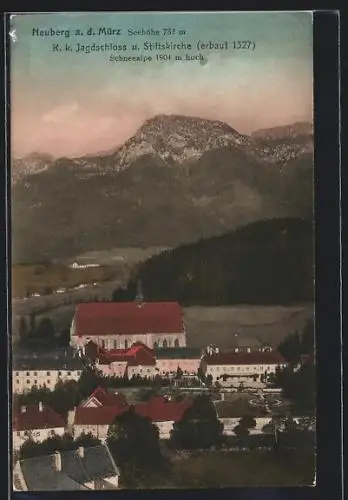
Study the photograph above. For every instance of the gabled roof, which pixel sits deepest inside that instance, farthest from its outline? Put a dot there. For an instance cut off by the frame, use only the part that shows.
(245, 358)
(158, 409)
(103, 415)
(33, 419)
(127, 318)
(137, 354)
(102, 397)
(40, 475)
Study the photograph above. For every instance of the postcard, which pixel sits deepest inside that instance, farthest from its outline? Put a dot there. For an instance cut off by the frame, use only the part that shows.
(162, 250)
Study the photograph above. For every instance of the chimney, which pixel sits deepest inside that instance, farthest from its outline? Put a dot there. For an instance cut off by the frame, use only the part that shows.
(23, 409)
(81, 451)
(40, 406)
(57, 461)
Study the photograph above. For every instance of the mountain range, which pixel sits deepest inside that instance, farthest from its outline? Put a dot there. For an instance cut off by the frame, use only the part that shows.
(176, 180)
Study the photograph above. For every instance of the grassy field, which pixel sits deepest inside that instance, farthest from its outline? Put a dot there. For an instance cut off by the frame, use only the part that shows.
(43, 279)
(220, 325)
(127, 255)
(245, 469)
(224, 469)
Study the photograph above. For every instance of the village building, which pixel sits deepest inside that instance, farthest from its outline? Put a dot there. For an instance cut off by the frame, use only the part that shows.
(104, 397)
(118, 325)
(162, 412)
(168, 360)
(36, 422)
(242, 365)
(91, 468)
(138, 360)
(43, 370)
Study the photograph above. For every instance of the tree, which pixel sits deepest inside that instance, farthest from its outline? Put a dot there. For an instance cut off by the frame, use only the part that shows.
(241, 431)
(45, 329)
(90, 380)
(179, 373)
(32, 325)
(134, 443)
(308, 340)
(199, 426)
(63, 443)
(247, 422)
(290, 348)
(23, 330)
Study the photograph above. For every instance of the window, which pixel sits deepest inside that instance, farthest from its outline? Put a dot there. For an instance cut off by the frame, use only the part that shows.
(48, 381)
(17, 374)
(35, 374)
(28, 381)
(103, 344)
(59, 374)
(28, 374)
(48, 373)
(165, 343)
(176, 343)
(69, 373)
(18, 433)
(126, 344)
(17, 381)
(115, 344)
(35, 382)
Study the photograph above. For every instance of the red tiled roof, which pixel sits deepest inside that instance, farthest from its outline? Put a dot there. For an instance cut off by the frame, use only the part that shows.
(106, 399)
(128, 318)
(245, 358)
(103, 415)
(160, 410)
(138, 354)
(33, 418)
(157, 409)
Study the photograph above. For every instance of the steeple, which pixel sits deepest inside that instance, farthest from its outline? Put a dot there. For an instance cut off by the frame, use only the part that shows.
(139, 298)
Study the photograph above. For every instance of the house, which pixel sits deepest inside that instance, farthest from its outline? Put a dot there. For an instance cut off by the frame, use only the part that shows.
(97, 420)
(118, 325)
(136, 360)
(168, 360)
(91, 468)
(43, 370)
(104, 397)
(241, 364)
(35, 422)
(163, 413)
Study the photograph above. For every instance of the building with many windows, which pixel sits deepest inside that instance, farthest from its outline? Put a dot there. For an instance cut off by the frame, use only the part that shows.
(241, 364)
(43, 370)
(118, 325)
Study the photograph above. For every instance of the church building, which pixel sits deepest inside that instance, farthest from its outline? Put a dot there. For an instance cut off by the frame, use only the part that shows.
(118, 325)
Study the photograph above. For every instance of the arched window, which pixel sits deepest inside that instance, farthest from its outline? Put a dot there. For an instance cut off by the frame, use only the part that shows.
(165, 343)
(176, 343)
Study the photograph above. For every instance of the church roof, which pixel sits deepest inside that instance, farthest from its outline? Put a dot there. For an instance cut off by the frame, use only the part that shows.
(128, 318)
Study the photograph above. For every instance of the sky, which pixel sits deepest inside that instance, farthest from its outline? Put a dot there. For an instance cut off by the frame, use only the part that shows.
(70, 103)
